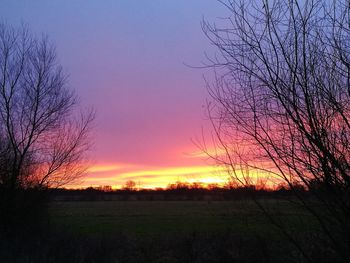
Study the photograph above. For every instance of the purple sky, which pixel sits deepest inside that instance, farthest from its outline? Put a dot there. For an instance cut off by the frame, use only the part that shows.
(126, 58)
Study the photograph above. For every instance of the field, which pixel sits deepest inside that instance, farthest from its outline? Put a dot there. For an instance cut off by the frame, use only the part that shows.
(158, 218)
(182, 231)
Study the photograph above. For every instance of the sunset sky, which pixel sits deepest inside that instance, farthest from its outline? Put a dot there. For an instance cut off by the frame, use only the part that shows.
(127, 59)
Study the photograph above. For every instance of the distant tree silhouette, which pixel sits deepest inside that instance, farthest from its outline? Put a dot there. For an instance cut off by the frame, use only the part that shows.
(105, 188)
(213, 186)
(178, 185)
(281, 102)
(130, 185)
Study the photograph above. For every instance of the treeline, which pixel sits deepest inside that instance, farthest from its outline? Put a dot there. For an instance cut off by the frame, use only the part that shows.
(178, 191)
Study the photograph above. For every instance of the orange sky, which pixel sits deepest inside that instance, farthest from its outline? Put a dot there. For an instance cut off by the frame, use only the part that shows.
(193, 168)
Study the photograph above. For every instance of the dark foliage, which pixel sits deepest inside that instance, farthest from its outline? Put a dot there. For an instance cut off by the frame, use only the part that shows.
(171, 194)
(64, 247)
(23, 212)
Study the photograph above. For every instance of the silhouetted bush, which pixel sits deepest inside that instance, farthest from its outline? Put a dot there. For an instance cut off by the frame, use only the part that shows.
(68, 248)
(59, 246)
(23, 212)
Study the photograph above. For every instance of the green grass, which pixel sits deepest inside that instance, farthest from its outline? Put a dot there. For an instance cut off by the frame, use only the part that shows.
(168, 231)
(161, 218)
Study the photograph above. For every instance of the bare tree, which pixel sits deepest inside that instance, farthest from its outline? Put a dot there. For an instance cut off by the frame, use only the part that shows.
(130, 185)
(281, 101)
(43, 136)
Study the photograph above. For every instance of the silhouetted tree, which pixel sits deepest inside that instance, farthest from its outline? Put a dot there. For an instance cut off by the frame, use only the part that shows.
(130, 185)
(43, 140)
(281, 101)
(179, 186)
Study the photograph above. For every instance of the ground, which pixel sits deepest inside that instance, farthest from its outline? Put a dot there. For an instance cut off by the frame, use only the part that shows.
(140, 218)
(167, 231)
(185, 231)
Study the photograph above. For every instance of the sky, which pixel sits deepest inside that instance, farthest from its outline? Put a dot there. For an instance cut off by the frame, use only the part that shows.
(131, 60)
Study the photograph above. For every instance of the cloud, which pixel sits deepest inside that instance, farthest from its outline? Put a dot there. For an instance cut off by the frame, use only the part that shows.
(149, 177)
(105, 168)
(157, 176)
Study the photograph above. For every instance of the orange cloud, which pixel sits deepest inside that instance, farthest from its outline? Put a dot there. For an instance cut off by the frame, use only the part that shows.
(105, 168)
(150, 177)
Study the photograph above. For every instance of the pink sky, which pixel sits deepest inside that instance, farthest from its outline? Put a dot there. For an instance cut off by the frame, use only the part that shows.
(127, 60)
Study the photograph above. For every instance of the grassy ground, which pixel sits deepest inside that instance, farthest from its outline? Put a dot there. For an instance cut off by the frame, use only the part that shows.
(166, 231)
(158, 218)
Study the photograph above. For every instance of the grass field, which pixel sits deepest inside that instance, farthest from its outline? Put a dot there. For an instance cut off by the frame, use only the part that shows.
(159, 218)
(167, 231)
(188, 231)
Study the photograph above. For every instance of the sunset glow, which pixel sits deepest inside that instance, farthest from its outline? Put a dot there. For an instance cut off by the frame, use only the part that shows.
(116, 175)
(137, 73)
(151, 177)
